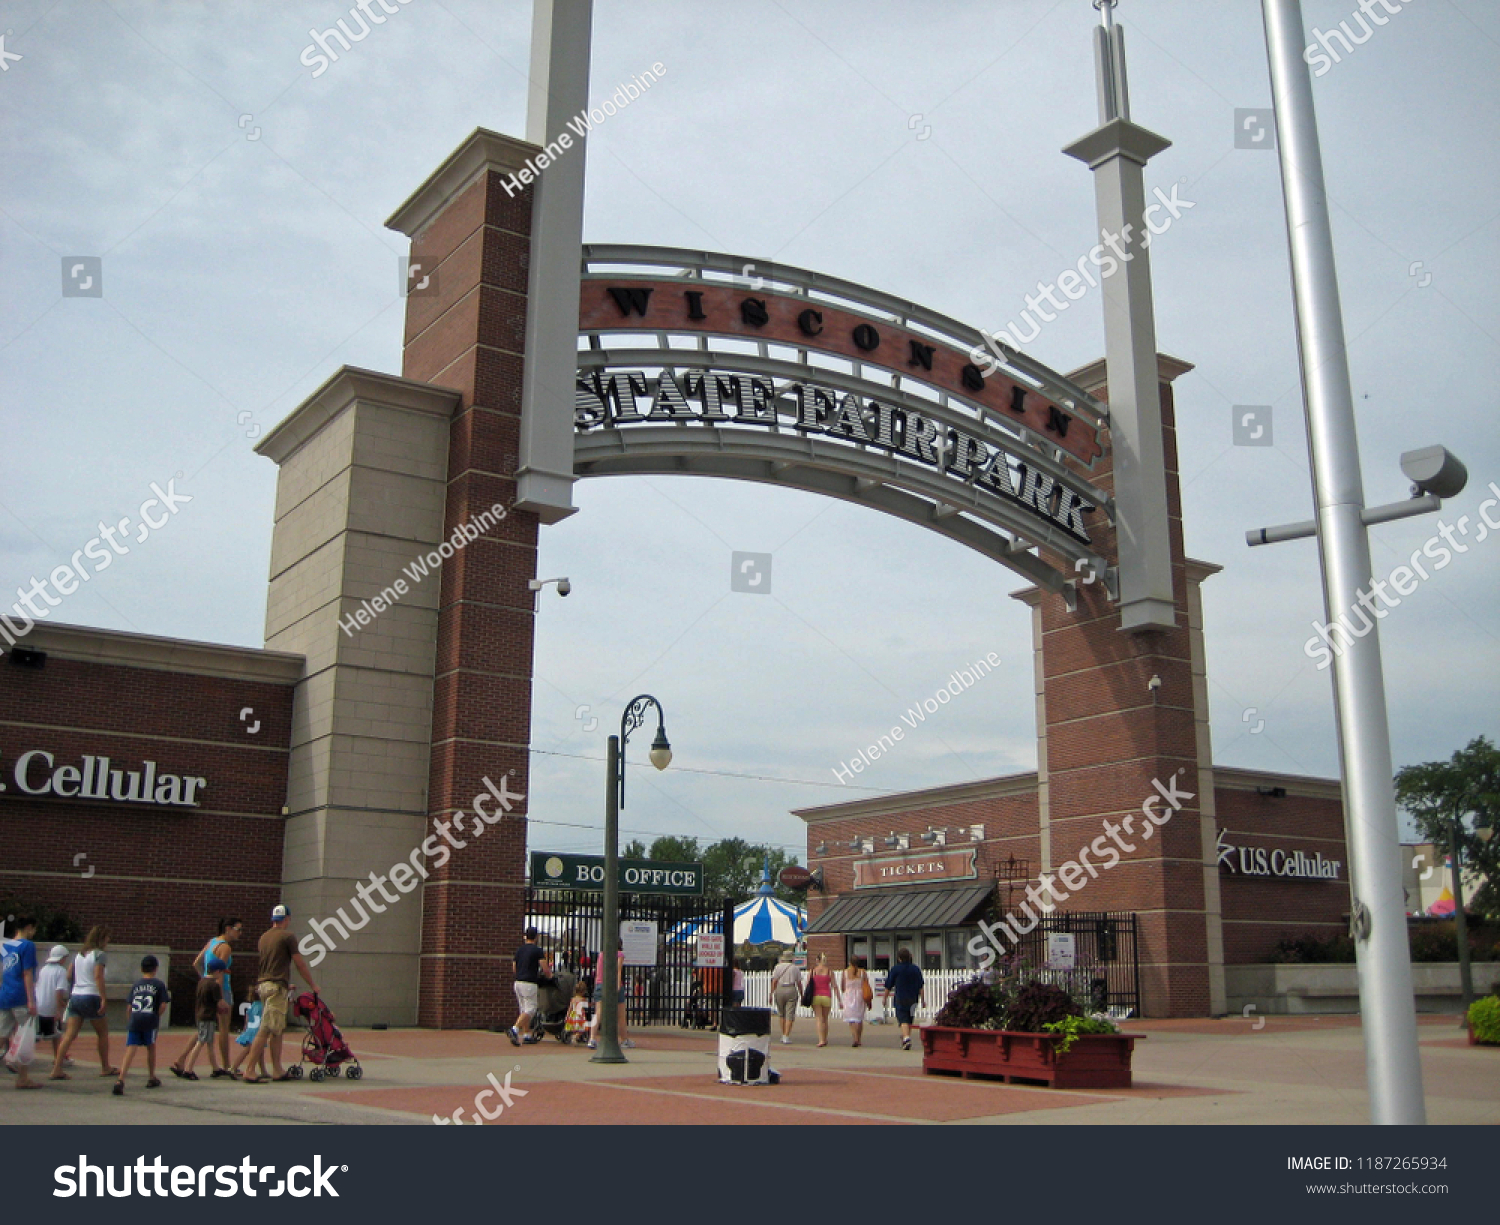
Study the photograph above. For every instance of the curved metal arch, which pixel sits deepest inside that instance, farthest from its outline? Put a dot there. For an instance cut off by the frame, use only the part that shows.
(985, 428)
(599, 258)
(909, 491)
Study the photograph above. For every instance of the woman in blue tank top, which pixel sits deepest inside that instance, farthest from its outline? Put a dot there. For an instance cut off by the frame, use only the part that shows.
(221, 946)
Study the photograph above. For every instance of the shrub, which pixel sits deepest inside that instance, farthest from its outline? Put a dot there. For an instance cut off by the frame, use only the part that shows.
(52, 926)
(1484, 1018)
(1037, 1005)
(971, 1005)
(1313, 950)
(1071, 1027)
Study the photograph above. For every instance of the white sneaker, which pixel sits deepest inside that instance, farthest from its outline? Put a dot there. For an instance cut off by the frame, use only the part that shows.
(627, 1045)
(592, 1045)
(785, 1041)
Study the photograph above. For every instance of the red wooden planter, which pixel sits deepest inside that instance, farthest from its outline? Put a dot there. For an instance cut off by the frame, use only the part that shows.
(1094, 1061)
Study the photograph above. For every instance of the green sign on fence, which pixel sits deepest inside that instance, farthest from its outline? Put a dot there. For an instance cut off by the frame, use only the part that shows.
(586, 872)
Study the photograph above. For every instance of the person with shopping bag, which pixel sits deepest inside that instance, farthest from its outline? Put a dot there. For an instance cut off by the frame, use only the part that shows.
(18, 1000)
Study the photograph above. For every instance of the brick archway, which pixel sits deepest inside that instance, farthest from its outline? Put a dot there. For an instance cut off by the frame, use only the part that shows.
(405, 722)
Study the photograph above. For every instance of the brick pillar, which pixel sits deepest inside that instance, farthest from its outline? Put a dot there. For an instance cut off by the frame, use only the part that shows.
(465, 330)
(1104, 736)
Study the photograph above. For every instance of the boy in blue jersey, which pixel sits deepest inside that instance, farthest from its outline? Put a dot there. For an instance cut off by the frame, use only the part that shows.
(148, 998)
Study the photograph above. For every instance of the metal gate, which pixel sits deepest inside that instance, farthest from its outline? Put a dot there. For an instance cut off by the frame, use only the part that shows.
(1106, 968)
(675, 990)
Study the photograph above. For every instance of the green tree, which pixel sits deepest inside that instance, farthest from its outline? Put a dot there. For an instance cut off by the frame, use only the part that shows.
(1466, 787)
(671, 849)
(731, 867)
(634, 849)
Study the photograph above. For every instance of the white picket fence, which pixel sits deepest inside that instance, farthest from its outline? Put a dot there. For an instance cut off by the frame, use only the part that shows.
(935, 993)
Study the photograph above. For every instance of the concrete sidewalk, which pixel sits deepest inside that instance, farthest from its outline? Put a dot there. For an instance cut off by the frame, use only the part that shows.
(1290, 1070)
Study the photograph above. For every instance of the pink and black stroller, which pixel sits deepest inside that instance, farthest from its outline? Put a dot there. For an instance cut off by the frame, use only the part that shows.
(324, 1046)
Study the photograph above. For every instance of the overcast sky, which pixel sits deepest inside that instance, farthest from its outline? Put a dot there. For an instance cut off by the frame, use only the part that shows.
(237, 202)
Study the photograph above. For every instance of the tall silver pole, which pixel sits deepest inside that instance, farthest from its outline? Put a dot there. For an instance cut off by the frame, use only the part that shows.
(1388, 1009)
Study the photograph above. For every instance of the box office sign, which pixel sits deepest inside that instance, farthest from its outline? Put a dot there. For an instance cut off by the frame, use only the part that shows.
(37, 773)
(586, 872)
(916, 867)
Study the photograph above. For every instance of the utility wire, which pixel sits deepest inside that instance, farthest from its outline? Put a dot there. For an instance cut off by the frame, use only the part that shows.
(760, 778)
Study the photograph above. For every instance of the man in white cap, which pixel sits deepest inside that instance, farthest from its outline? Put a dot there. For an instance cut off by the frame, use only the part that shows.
(273, 984)
(52, 990)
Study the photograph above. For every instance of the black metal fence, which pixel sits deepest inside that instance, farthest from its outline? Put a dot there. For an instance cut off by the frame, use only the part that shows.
(1106, 967)
(675, 991)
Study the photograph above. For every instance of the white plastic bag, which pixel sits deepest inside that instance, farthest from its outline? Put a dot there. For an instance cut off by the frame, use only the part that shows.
(23, 1043)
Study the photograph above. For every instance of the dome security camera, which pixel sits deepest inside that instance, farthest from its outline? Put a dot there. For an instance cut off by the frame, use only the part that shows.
(563, 586)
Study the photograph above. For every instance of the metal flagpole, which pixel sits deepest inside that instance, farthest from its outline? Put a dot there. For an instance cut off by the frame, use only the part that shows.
(1388, 1008)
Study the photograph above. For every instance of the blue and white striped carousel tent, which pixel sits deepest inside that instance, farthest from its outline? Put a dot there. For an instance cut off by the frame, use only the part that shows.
(762, 919)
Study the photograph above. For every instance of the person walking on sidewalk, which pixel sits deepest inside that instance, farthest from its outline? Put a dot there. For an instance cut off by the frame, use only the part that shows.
(208, 1007)
(18, 990)
(273, 984)
(52, 997)
(904, 981)
(528, 971)
(148, 997)
(87, 1003)
(855, 994)
(625, 1043)
(786, 993)
(222, 947)
(822, 1000)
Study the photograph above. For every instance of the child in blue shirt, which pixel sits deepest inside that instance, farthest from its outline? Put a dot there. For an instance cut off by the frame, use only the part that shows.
(148, 998)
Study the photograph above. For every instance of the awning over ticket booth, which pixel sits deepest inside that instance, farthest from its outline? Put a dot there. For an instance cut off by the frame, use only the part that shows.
(887, 910)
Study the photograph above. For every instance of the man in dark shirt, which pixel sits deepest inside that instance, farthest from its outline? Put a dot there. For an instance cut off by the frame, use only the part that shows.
(528, 970)
(905, 982)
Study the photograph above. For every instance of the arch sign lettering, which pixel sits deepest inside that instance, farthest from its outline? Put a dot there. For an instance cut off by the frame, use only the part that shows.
(708, 364)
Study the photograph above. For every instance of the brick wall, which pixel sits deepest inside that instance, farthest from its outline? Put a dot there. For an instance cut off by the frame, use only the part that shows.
(470, 336)
(161, 876)
(1260, 910)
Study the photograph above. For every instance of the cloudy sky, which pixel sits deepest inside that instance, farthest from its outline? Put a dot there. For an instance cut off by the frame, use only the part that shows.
(236, 205)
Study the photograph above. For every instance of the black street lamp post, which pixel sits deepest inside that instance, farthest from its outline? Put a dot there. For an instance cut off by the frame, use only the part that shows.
(614, 800)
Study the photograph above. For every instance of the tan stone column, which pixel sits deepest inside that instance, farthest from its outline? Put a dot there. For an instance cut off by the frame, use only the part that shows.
(360, 495)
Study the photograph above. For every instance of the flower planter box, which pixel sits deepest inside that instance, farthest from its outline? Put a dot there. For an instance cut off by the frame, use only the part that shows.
(1094, 1061)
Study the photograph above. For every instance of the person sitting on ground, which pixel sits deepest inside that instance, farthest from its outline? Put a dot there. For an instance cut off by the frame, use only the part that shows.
(147, 999)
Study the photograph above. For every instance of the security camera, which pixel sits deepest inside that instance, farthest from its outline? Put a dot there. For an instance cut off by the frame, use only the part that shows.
(563, 586)
(1154, 684)
(1434, 470)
